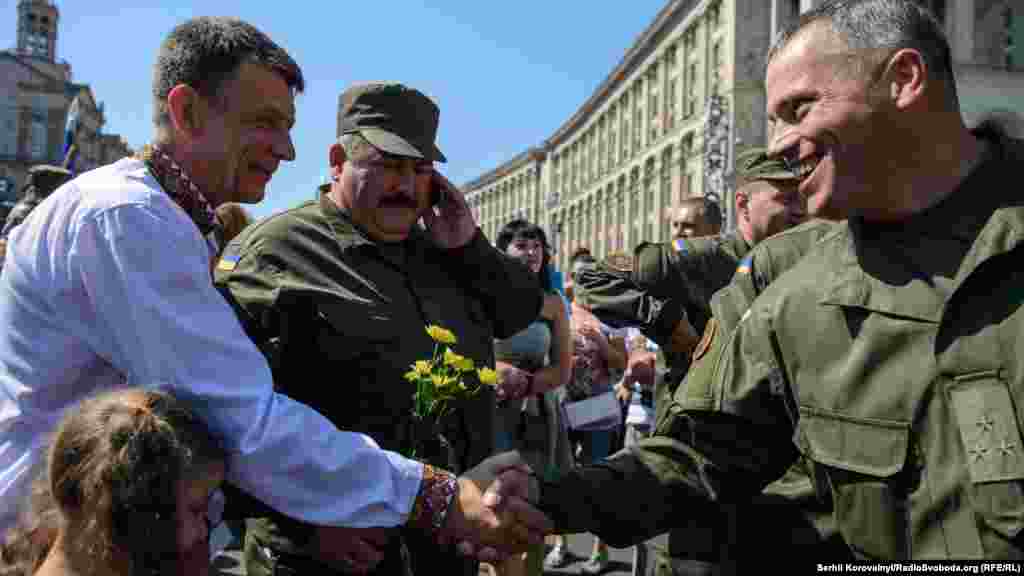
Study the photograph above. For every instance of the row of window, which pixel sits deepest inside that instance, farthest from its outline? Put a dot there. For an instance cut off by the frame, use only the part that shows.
(619, 132)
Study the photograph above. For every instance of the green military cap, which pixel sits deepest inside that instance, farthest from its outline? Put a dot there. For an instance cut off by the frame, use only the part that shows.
(45, 178)
(754, 164)
(392, 117)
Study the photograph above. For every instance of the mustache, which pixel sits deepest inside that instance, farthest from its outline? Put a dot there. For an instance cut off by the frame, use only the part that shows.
(398, 201)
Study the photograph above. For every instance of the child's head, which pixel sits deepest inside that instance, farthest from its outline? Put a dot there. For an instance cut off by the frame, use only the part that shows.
(131, 473)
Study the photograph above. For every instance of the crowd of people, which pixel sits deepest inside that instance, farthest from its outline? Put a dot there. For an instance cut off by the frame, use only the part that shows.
(834, 379)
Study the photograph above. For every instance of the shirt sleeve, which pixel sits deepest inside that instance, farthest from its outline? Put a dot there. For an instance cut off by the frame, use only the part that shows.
(507, 288)
(696, 461)
(162, 322)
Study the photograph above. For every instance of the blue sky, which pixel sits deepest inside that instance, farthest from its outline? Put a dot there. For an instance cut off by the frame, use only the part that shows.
(505, 74)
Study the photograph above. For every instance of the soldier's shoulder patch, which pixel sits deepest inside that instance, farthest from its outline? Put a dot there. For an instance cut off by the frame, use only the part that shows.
(745, 265)
(705, 341)
(229, 258)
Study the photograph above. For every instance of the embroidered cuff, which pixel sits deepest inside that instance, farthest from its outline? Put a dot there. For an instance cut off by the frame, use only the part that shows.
(437, 490)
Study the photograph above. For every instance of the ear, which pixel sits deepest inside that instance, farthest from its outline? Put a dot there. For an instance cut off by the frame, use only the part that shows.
(907, 77)
(742, 202)
(187, 109)
(336, 159)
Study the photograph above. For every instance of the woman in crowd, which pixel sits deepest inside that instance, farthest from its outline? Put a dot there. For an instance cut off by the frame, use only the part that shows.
(598, 362)
(533, 364)
(126, 492)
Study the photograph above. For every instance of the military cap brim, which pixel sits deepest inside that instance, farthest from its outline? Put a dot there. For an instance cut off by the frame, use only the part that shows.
(393, 144)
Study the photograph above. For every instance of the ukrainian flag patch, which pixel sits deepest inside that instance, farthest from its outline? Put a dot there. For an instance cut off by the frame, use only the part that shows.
(680, 245)
(228, 262)
(744, 267)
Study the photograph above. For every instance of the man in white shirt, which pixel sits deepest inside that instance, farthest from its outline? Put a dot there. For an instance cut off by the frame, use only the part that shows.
(107, 283)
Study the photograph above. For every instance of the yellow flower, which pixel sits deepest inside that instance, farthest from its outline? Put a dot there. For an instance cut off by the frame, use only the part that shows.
(487, 376)
(438, 380)
(457, 361)
(419, 370)
(440, 334)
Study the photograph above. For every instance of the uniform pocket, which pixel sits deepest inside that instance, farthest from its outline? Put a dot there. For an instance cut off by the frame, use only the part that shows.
(861, 460)
(990, 434)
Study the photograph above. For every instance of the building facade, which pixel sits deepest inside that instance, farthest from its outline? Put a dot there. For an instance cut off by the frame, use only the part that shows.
(684, 100)
(661, 127)
(36, 91)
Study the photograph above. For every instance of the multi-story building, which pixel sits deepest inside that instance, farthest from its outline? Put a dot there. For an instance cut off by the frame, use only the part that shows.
(686, 97)
(612, 172)
(510, 191)
(36, 92)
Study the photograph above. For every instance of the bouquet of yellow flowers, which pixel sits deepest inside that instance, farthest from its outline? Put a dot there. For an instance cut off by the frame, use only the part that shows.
(441, 379)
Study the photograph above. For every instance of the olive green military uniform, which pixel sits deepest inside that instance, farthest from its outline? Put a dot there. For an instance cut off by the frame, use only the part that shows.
(674, 280)
(669, 282)
(889, 357)
(341, 318)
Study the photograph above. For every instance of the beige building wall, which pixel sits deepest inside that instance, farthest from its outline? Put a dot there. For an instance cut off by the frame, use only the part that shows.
(36, 92)
(611, 174)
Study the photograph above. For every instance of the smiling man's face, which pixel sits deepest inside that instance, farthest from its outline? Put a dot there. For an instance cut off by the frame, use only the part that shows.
(246, 137)
(826, 121)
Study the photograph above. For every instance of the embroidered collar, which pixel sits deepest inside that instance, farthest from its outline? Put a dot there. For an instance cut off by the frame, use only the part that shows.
(180, 188)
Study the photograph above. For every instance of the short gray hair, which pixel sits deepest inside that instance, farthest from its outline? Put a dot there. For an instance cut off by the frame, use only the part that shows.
(881, 24)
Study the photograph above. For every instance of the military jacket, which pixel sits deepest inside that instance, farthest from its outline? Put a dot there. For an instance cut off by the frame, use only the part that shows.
(341, 318)
(890, 356)
(668, 282)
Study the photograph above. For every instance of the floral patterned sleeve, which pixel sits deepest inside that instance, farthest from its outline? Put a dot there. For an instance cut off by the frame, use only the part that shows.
(437, 490)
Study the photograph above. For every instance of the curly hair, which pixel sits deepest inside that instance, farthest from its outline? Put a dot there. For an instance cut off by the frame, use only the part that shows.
(113, 470)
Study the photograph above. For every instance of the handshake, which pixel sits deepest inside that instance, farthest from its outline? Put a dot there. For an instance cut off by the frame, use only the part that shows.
(491, 517)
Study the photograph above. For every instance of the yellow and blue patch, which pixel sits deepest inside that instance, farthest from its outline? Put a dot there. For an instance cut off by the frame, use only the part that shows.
(680, 245)
(228, 261)
(744, 267)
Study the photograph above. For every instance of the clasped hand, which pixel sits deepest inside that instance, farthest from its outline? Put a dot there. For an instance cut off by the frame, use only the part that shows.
(491, 518)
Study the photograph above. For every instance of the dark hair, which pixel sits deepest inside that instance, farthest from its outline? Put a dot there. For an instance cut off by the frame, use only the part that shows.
(707, 208)
(581, 254)
(113, 470)
(520, 229)
(885, 24)
(206, 52)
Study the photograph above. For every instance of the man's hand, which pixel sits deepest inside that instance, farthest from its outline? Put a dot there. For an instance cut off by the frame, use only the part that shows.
(3, 249)
(351, 550)
(641, 367)
(452, 225)
(513, 383)
(492, 517)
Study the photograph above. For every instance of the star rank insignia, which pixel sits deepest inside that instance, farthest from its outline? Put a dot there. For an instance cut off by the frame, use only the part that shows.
(988, 429)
